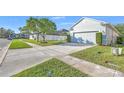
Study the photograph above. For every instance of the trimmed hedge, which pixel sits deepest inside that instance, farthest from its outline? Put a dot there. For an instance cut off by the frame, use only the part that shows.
(120, 40)
(68, 38)
(99, 38)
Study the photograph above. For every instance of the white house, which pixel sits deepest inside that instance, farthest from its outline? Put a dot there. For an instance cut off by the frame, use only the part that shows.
(84, 31)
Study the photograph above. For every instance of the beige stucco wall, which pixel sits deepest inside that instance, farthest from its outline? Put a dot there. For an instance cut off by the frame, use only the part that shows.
(111, 35)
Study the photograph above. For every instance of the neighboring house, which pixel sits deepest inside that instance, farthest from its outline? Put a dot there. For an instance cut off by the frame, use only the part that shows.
(61, 32)
(84, 31)
(24, 35)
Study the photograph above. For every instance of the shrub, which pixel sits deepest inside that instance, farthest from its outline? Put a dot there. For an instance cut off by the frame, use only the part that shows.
(99, 38)
(68, 38)
(120, 40)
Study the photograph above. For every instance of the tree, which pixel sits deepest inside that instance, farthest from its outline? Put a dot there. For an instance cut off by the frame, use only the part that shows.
(24, 32)
(32, 26)
(40, 26)
(2, 31)
(120, 28)
(10, 33)
(5, 33)
(46, 26)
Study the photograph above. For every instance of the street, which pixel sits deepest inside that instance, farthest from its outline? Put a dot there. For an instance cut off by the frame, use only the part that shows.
(4, 42)
(3, 47)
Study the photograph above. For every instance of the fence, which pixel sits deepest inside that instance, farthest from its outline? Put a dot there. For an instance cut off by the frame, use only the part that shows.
(49, 37)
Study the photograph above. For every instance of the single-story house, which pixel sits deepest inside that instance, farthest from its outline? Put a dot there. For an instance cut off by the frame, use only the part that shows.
(84, 31)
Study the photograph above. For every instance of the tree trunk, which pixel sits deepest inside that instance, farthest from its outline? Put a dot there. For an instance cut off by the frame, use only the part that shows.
(38, 37)
(44, 38)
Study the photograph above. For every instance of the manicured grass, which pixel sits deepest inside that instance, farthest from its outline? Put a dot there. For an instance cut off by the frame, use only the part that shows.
(50, 42)
(17, 44)
(102, 55)
(54, 66)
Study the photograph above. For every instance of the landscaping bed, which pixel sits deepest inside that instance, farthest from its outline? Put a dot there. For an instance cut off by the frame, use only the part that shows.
(53, 68)
(18, 44)
(50, 42)
(102, 55)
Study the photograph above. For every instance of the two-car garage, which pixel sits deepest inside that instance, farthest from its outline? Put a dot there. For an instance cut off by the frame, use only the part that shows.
(88, 37)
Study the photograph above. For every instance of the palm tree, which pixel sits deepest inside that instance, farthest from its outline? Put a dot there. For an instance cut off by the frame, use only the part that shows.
(32, 26)
(24, 31)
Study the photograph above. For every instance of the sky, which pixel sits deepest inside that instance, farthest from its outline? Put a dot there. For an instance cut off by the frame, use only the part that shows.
(14, 22)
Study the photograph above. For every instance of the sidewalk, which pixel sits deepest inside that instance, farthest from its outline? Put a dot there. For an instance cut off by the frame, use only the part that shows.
(90, 68)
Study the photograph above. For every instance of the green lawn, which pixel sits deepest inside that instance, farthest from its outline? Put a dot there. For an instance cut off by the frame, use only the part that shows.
(17, 44)
(102, 55)
(54, 66)
(50, 42)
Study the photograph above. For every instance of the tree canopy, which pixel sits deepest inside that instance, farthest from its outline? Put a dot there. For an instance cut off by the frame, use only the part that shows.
(24, 30)
(120, 28)
(4, 33)
(39, 26)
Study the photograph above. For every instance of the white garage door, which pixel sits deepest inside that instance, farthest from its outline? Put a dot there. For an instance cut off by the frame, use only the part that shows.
(85, 38)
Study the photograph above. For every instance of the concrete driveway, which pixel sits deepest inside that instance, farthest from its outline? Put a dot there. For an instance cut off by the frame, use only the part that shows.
(20, 59)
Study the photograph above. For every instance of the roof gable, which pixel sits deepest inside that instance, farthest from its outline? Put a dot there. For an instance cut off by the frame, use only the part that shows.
(102, 23)
(83, 18)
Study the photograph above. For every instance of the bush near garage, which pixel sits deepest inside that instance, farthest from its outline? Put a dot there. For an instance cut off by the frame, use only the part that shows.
(120, 40)
(99, 38)
(68, 38)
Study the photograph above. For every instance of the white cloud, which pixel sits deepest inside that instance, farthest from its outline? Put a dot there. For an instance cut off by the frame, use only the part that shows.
(67, 23)
(58, 17)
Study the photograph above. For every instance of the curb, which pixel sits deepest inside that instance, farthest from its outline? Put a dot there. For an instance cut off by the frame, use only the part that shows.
(4, 53)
